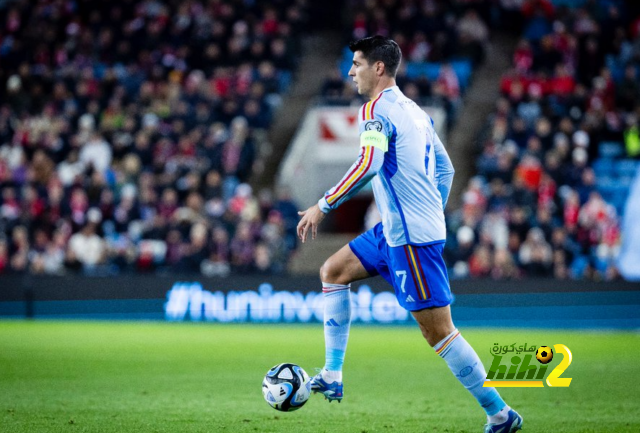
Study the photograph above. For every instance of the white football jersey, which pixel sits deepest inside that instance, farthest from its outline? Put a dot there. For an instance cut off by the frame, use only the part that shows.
(410, 170)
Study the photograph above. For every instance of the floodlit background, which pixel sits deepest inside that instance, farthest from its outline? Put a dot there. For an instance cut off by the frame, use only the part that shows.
(154, 155)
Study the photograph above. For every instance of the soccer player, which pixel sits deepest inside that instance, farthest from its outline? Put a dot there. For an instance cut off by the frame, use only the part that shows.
(411, 175)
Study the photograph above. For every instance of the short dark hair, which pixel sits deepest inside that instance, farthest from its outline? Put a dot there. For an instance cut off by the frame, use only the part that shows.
(379, 49)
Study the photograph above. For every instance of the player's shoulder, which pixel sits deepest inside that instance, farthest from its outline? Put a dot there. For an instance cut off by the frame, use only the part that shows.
(380, 106)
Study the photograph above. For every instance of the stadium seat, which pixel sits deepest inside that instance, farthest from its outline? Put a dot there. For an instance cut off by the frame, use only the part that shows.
(603, 167)
(569, 3)
(601, 265)
(626, 168)
(579, 265)
(616, 67)
(462, 68)
(606, 186)
(610, 149)
(284, 80)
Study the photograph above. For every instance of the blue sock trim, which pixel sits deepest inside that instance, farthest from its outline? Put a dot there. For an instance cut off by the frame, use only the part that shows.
(334, 359)
(492, 403)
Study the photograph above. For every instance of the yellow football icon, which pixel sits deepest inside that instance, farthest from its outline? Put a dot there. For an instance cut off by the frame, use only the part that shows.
(544, 354)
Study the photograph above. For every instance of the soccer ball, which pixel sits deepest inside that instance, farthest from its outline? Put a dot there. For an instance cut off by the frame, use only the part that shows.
(286, 387)
(544, 354)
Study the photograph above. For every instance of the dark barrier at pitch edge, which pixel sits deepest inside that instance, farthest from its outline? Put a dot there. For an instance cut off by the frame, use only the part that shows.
(521, 303)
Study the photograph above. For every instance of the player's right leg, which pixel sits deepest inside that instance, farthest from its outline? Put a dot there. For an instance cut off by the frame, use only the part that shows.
(438, 329)
(337, 274)
(422, 287)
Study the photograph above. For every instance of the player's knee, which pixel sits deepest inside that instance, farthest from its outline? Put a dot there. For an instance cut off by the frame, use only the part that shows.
(332, 273)
(328, 272)
(429, 336)
(434, 334)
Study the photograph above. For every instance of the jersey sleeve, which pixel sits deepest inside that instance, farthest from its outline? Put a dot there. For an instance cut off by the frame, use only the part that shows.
(374, 125)
(374, 142)
(444, 170)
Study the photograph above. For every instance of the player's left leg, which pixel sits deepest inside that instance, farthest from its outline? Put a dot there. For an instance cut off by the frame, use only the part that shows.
(361, 259)
(337, 274)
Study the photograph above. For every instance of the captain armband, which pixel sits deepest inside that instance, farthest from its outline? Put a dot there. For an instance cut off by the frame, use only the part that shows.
(375, 139)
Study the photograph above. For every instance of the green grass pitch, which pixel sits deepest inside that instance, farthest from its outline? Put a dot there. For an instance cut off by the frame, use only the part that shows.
(162, 377)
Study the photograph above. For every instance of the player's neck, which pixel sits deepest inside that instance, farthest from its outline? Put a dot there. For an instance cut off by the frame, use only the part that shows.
(383, 84)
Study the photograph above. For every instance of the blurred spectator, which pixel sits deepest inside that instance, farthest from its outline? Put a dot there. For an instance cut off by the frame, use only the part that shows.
(86, 249)
(19, 250)
(535, 254)
(504, 266)
(195, 252)
(242, 248)
(4, 257)
(473, 36)
(218, 262)
(480, 262)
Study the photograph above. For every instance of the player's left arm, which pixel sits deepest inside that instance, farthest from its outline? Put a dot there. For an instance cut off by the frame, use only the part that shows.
(444, 170)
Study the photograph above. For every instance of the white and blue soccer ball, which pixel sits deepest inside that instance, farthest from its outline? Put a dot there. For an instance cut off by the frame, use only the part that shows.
(286, 387)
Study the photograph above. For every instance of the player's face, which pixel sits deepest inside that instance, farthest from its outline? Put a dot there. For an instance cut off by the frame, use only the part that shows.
(363, 74)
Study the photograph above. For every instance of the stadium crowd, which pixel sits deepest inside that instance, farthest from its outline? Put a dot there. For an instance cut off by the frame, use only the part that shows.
(128, 131)
(435, 32)
(534, 208)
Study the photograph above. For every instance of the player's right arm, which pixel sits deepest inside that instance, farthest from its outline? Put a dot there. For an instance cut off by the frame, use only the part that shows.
(374, 142)
(359, 174)
(366, 166)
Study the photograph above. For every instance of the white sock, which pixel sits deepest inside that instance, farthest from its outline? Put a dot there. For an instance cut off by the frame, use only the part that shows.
(500, 417)
(337, 321)
(466, 366)
(331, 376)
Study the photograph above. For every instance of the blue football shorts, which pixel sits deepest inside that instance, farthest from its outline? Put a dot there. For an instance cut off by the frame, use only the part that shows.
(417, 273)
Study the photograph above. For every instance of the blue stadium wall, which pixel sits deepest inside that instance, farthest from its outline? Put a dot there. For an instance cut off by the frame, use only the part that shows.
(522, 303)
